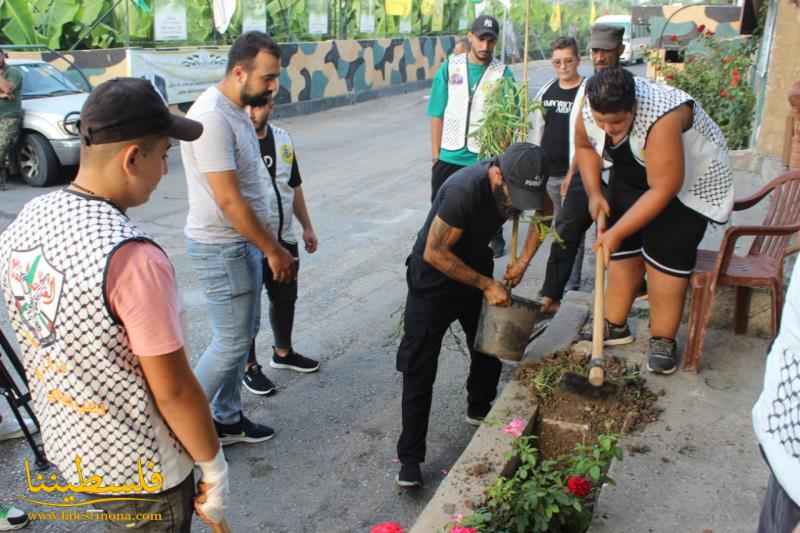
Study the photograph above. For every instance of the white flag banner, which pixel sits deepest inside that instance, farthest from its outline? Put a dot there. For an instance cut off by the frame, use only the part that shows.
(223, 13)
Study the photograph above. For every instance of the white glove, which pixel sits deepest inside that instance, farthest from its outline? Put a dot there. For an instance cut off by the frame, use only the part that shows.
(215, 476)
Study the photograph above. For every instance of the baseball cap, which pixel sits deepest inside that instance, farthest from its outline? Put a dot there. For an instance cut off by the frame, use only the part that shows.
(524, 171)
(485, 26)
(605, 37)
(122, 109)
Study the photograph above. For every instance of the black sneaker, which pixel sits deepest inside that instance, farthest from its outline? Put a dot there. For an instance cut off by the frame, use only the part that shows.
(662, 357)
(256, 382)
(294, 361)
(498, 246)
(475, 416)
(613, 335)
(410, 475)
(243, 431)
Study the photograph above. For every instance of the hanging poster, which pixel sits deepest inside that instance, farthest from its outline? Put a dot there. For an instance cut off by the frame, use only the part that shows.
(437, 22)
(398, 8)
(170, 20)
(254, 15)
(405, 25)
(317, 16)
(179, 75)
(463, 21)
(366, 19)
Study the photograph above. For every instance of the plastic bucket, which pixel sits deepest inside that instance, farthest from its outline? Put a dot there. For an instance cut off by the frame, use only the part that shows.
(504, 331)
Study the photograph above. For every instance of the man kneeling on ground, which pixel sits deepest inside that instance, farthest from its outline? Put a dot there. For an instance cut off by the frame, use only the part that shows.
(670, 176)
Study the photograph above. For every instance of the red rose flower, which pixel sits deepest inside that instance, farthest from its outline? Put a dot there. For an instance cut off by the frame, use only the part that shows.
(736, 77)
(579, 486)
(701, 28)
(387, 527)
(674, 38)
(709, 33)
(669, 77)
(723, 93)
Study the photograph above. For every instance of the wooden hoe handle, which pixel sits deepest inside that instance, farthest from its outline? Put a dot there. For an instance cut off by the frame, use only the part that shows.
(597, 372)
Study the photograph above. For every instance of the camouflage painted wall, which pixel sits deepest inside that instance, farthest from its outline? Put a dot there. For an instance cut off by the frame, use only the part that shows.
(310, 71)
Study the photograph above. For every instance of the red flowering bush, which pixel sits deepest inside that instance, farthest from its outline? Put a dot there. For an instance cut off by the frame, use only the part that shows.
(387, 527)
(717, 76)
(579, 486)
(544, 496)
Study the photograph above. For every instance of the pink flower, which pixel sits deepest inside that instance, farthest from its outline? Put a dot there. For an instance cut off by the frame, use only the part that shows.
(515, 427)
(457, 518)
(387, 527)
(463, 530)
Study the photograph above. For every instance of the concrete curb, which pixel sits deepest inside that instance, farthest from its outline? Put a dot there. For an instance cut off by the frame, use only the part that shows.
(480, 464)
(462, 488)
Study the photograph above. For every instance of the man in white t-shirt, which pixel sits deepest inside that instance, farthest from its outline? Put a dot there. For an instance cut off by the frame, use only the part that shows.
(227, 227)
(776, 420)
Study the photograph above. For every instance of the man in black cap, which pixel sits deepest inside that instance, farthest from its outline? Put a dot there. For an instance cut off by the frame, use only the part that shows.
(449, 274)
(572, 220)
(456, 106)
(93, 302)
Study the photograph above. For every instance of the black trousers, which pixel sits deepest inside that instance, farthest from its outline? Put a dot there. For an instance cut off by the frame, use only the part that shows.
(427, 317)
(439, 174)
(572, 222)
(282, 299)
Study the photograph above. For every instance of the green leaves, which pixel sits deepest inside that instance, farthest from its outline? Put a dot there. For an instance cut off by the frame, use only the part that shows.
(20, 25)
(718, 77)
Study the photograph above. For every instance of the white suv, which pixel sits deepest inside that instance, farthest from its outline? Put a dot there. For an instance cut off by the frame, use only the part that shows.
(51, 104)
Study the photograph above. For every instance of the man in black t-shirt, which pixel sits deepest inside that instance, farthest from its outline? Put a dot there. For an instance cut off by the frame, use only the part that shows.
(449, 274)
(287, 201)
(552, 131)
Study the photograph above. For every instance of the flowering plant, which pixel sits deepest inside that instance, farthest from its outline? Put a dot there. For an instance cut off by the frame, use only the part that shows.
(387, 527)
(718, 78)
(544, 496)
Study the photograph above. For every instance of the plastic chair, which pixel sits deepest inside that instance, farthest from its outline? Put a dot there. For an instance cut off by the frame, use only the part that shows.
(762, 267)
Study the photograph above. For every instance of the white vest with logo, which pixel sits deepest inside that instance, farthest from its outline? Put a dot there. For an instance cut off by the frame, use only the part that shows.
(87, 386)
(464, 112)
(708, 178)
(280, 195)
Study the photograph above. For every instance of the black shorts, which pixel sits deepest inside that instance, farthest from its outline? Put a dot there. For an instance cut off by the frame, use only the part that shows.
(668, 242)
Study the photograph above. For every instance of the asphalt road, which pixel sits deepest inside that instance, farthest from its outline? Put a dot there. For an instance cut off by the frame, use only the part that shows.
(332, 465)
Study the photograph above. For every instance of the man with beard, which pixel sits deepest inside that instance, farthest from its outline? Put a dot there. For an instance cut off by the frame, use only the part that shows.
(456, 106)
(286, 200)
(573, 219)
(449, 274)
(228, 226)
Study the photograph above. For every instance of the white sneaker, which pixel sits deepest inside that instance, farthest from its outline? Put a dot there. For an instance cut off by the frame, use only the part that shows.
(12, 518)
(9, 429)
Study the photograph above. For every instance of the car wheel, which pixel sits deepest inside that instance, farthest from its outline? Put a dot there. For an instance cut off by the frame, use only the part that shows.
(38, 163)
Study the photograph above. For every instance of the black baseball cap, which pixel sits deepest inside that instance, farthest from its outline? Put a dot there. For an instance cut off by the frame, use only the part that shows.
(524, 171)
(606, 37)
(485, 25)
(122, 109)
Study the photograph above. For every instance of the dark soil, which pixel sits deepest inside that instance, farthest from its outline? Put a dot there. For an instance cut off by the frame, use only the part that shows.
(629, 406)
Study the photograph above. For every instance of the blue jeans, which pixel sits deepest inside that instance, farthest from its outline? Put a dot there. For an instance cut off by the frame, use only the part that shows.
(230, 275)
